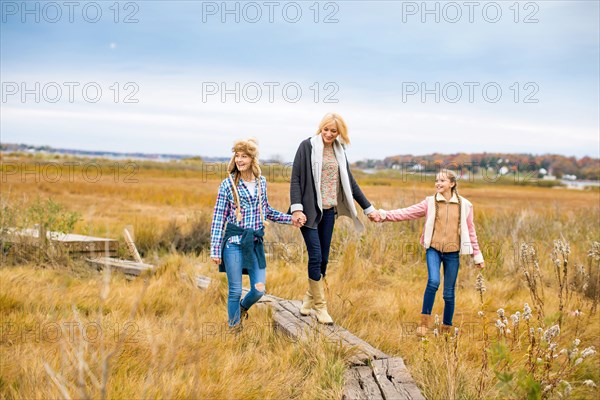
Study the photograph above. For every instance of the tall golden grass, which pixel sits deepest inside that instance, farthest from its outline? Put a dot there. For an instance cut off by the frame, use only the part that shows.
(174, 343)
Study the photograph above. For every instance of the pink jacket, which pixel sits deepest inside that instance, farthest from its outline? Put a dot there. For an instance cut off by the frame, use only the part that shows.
(468, 236)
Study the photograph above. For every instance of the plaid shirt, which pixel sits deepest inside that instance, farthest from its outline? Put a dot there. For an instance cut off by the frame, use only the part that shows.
(225, 212)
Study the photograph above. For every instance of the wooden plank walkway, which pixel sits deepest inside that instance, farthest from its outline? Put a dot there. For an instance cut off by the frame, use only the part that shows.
(372, 374)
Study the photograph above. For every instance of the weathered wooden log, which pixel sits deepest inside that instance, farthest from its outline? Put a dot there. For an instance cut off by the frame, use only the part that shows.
(395, 379)
(368, 383)
(352, 388)
(372, 374)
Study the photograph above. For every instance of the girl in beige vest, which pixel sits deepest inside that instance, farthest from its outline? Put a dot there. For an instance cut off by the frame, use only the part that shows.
(448, 232)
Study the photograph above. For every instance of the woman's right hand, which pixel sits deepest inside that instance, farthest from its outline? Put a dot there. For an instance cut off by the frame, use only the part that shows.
(216, 260)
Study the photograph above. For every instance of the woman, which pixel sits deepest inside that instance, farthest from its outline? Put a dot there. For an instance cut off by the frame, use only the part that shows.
(237, 229)
(322, 187)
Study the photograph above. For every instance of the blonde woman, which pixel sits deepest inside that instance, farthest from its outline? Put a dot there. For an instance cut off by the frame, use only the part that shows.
(237, 229)
(322, 188)
(449, 231)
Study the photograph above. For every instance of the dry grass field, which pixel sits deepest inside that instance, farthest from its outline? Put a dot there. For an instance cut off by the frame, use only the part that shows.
(71, 331)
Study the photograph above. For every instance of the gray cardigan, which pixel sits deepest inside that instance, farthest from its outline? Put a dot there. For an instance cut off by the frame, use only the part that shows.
(305, 184)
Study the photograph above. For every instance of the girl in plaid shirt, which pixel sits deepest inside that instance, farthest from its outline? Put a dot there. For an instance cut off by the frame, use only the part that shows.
(237, 229)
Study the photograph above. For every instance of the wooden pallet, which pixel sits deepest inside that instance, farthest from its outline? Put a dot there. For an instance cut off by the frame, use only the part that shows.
(125, 266)
(72, 243)
(372, 373)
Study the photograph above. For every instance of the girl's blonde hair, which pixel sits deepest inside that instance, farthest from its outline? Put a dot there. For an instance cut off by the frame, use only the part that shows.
(249, 147)
(333, 118)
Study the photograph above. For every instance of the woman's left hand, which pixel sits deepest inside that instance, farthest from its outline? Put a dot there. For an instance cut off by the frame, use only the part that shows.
(480, 265)
(374, 216)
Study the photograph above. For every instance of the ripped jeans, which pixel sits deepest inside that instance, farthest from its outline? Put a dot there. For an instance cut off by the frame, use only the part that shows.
(233, 259)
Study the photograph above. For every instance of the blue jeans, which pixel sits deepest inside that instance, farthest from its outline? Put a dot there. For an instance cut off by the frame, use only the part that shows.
(451, 263)
(318, 243)
(233, 259)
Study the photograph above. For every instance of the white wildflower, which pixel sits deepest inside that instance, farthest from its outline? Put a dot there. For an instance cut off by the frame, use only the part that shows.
(547, 388)
(578, 361)
(480, 284)
(594, 252)
(480, 313)
(500, 312)
(588, 351)
(500, 325)
(573, 353)
(576, 342)
(526, 312)
(515, 318)
(551, 333)
(568, 388)
(437, 320)
(589, 383)
(435, 332)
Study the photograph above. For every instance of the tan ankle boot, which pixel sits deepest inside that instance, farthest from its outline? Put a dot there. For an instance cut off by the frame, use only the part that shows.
(320, 305)
(424, 325)
(307, 302)
(446, 329)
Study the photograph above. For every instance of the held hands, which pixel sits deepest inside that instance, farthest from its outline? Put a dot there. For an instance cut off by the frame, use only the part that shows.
(298, 219)
(375, 216)
(216, 261)
(480, 265)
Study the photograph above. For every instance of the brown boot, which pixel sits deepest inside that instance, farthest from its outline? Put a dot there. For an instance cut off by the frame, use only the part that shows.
(243, 313)
(236, 330)
(424, 325)
(446, 329)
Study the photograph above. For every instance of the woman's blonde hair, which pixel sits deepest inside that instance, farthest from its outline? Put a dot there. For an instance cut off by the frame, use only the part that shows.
(333, 118)
(249, 147)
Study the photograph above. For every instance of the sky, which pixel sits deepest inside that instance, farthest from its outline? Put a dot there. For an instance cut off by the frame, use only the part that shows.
(190, 77)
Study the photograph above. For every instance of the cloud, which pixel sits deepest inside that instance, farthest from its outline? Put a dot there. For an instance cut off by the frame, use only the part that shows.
(171, 117)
